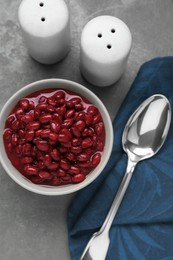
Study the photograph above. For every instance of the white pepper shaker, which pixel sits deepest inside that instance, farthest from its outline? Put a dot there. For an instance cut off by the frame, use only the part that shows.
(45, 27)
(105, 46)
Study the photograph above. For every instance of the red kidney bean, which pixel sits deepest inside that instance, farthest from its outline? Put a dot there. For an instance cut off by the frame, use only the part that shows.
(44, 133)
(50, 109)
(84, 164)
(96, 159)
(66, 179)
(31, 170)
(70, 104)
(70, 156)
(64, 164)
(26, 149)
(27, 118)
(97, 119)
(7, 134)
(53, 136)
(92, 110)
(47, 160)
(79, 107)
(100, 145)
(88, 119)
(57, 118)
(94, 139)
(61, 110)
(79, 116)
(41, 165)
(56, 181)
(19, 113)
(31, 104)
(44, 175)
(43, 145)
(24, 103)
(29, 135)
(42, 99)
(60, 102)
(45, 118)
(35, 125)
(87, 142)
(90, 132)
(14, 139)
(83, 157)
(63, 138)
(69, 113)
(67, 133)
(55, 154)
(75, 131)
(54, 126)
(26, 160)
(80, 125)
(38, 133)
(76, 141)
(74, 170)
(21, 133)
(59, 94)
(18, 149)
(76, 149)
(99, 129)
(37, 113)
(15, 125)
(78, 178)
(53, 166)
(36, 179)
(67, 123)
(85, 132)
(10, 119)
(9, 147)
(61, 172)
(88, 151)
(86, 170)
(41, 107)
(75, 100)
(52, 101)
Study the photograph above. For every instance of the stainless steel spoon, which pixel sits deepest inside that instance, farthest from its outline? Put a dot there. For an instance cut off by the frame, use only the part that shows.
(143, 136)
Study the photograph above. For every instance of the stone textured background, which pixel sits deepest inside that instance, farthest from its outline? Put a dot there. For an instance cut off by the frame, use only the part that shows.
(33, 227)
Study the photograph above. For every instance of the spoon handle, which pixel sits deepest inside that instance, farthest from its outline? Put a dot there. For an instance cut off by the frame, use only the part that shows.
(98, 245)
(119, 196)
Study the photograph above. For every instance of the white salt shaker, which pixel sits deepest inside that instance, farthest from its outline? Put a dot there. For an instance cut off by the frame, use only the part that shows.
(45, 26)
(105, 46)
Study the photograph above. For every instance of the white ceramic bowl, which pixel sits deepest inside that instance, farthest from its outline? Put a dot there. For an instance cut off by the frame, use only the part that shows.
(79, 89)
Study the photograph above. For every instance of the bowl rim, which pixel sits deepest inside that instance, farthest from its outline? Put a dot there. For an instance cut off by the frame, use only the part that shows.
(45, 189)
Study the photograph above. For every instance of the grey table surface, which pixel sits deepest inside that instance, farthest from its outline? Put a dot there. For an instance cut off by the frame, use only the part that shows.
(33, 227)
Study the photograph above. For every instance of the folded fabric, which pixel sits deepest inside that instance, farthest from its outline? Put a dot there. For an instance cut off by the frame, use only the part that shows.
(143, 227)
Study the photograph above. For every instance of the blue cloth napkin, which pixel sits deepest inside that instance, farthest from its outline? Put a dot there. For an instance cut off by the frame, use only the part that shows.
(143, 227)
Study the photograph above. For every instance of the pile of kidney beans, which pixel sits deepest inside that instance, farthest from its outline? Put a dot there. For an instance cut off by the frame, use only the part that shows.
(54, 137)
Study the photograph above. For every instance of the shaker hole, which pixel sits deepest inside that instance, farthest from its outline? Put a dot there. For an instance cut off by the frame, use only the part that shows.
(41, 4)
(43, 19)
(109, 46)
(113, 30)
(100, 35)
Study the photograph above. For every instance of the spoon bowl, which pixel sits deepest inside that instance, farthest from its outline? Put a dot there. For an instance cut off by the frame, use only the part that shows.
(147, 128)
(143, 136)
